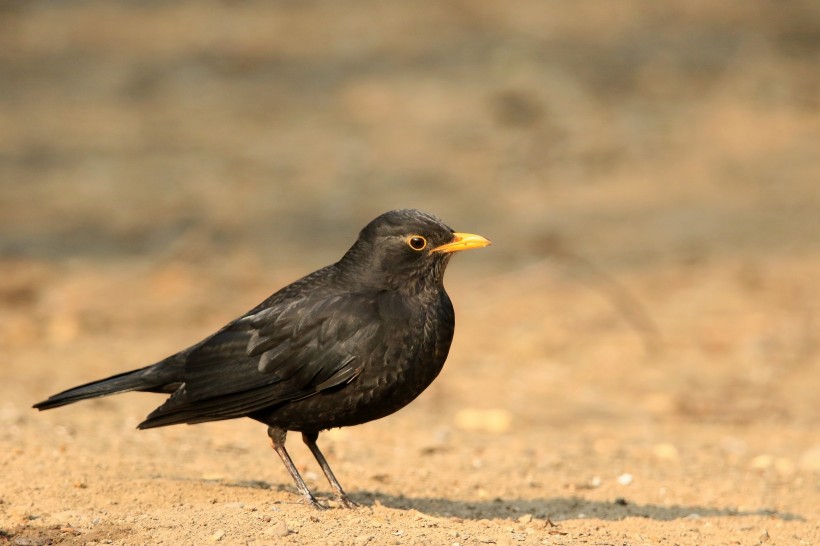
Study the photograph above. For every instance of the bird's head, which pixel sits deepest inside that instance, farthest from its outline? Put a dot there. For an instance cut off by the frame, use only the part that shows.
(406, 248)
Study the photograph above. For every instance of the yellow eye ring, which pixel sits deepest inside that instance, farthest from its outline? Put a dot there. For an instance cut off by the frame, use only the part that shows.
(417, 242)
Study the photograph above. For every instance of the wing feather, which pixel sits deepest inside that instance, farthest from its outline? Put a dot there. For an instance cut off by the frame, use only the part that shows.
(278, 354)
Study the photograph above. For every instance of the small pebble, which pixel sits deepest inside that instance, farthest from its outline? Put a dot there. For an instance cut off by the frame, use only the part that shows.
(494, 421)
(216, 537)
(278, 529)
(665, 452)
(762, 462)
(625, 478)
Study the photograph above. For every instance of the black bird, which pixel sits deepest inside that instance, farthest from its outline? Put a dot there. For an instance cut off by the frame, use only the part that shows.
(349, 343)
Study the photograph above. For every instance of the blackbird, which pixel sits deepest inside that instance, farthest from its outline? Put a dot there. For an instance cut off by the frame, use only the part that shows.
(352, 342)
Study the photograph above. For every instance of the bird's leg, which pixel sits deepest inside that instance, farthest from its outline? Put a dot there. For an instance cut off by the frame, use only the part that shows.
(277, 439)
(310, 440)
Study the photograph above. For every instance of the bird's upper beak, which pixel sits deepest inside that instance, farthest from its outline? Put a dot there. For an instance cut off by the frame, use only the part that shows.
(462, 241)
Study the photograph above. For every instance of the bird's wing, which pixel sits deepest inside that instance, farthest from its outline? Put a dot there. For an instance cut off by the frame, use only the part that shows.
(286, 351)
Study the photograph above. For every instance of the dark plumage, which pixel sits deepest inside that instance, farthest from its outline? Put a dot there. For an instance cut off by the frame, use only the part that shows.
(349, 343)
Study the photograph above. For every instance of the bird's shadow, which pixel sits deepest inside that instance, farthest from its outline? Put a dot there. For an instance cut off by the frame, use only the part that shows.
(553, 508)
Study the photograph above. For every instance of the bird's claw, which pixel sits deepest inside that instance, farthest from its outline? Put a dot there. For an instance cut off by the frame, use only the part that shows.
(345, 501)
(316, 504)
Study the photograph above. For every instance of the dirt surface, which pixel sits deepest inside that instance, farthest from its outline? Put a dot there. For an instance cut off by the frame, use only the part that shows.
(636, 358)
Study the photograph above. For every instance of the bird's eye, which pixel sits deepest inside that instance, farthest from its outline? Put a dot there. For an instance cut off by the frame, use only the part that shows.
(416, 242)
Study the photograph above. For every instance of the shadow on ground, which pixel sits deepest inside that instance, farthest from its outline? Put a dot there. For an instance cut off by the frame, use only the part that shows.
(559, 508)
(555, 508)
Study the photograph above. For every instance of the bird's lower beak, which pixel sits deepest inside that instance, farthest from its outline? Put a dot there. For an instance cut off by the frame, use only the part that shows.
(462, 241)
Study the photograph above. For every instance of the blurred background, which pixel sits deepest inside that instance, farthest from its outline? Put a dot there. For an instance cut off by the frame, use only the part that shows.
(632, 132)
(648, 171)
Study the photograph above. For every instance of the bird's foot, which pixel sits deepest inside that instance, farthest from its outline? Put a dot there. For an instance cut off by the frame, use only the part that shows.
(311, 500)
(345, 501)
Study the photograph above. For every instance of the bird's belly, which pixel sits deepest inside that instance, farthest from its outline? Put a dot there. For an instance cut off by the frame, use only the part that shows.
(393, 374)
(382, 388)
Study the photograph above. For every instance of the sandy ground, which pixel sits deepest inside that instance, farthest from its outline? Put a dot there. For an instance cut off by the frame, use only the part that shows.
(636, 358)
(544, 428)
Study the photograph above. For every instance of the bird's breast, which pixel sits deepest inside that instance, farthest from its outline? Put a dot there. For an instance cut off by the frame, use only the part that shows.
(415, 347)
(410, 352)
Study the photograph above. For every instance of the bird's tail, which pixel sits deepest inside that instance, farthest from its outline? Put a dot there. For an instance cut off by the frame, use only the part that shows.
(129, 381)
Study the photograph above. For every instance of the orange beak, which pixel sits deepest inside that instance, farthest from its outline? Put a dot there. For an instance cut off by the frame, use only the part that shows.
(462, 241)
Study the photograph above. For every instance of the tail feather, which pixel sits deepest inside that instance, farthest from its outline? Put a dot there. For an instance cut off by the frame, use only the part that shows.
(129, 381)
